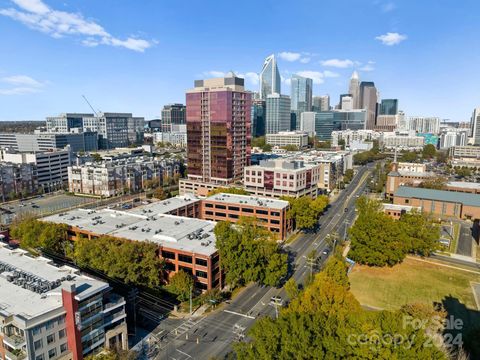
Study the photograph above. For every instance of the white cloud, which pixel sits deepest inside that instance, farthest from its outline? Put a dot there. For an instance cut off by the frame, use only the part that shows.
(251, 77)
(316, 76)
(289, 56)
(39, 16)
(330, 74)
(391, 39)
(20, 85)
(214, 73)
(305, 60)
(338, 63)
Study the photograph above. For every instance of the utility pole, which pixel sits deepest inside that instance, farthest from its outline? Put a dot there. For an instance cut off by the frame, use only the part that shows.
(312, 260)
(276, 302)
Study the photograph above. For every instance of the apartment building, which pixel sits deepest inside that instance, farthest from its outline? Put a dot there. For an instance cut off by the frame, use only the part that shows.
(42, 141)
(402, 140)
(119, 175)
(51, 166)
(465, 152)
(284, 138)
(184, 243)
(440, 202)
(55, 312)
(16, 180)
(348, 136)
(270, 213)
(280, 177)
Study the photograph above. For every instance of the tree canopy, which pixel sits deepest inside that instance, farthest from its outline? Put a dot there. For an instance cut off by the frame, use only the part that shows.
(325, 321)
(305, 210)
(429, 151)
(181, 284)
(379, 240)
(228, 190)
(249, 253)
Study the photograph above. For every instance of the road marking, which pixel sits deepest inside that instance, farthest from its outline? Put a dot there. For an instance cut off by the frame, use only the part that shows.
(184, 353)
(239, 314)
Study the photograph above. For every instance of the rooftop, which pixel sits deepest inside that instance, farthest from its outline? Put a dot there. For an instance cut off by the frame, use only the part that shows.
(165, 206)
(464, 185)
(439, 195)
(398, 207)
(176, 232)
(249, 200)
(43, 282)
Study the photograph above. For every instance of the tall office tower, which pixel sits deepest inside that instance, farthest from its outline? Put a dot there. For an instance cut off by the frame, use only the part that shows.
(389, 107)
(307, 122)
(321, 103)
(172, 114)
(218, 129)
(64, 123)
(475, 126)
(258, 118)
(354, 90)
(301, 99)
(346, 102)
(278, 114)
(368, 101)
(269, 78)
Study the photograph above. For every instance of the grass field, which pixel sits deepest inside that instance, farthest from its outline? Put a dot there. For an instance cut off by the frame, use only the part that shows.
(411, 281)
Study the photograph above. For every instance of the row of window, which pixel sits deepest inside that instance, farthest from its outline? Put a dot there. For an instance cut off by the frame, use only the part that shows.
(48, 325)
(245, 210)
(184, 258)
(50, 339)
(53, 352)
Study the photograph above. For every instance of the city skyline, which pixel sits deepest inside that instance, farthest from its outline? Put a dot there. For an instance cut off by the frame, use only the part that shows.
(139, 66)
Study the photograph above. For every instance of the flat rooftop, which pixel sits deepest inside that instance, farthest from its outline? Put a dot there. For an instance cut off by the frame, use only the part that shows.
(27, 303)
(439, 195)
(464, 185)
(249, 200)
(165, 206)
(399, 207)
(175, 232)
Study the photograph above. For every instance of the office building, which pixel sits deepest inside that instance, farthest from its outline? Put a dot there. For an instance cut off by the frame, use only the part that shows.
(66, 122)
(218, 129)
(389, 107)
(79, 142)
(401, 140)
(475, 126)
(135, 130)
(324, 125)
(51, 167)
(173, 114)
(284, 138)
(386, 123)
(442, 203)
(184, 243)
(422, 124)
(301, 96)
(307, 122)
(349, 136)
(176, 138)
(270, 81)
(278, 114)
(113, 177)
(321, 103)
(258, 114)
(368, 101)
(54, 312)
(465, 152)
(354, 90)
(346, 102)
(280, 177)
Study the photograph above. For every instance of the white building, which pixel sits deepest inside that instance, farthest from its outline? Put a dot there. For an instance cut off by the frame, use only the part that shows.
(402, 140)
(178, 139)
(354, 135)
(453, 137)
(284, 138)
(347, 103)
(278, 113)
(430, 125)
(475, 126)
(307, 122)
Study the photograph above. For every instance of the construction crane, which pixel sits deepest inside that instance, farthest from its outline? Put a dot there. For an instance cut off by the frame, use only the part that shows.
(91, 107)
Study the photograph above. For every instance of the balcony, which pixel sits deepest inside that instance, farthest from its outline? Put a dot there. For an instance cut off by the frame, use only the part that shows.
(16, 355)
(114, 302)
(14, 341)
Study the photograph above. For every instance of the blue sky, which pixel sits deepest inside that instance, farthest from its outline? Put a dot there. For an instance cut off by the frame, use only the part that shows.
(136, 56)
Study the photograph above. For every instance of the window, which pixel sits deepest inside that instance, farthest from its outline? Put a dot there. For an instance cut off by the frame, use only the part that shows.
(220, 206)
(63, 348)
(169, 266)
(208, 205)
(38, 344)
(185, 258)
(61, 334)
(201, 262)
(36, 330)
(407, 201)
(50, 338)
(262, 212)
(247, 210)
(276, 222)
(52, 353)
(233, 208)
(61, 320)
(40, 357)
(233, 216)
(220, 214)
(168, 255)
(275, 213)
(49, 325)
(201, 274)
(209, 212)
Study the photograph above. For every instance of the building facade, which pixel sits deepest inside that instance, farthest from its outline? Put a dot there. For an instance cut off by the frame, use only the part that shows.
(258, 114)
(301, 96)
(284, 138)
(321, 103)
(79, 142)
(401, 140)
(475, 126)
(354, 90)
(389, 107)
(422, 124)
(307, 122)
(368, 101)
(65, 123)
(278, 114)
(173, 114)
(270, 81)
(218, 129)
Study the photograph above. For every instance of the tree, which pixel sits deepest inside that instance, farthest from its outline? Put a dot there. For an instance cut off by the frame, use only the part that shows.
(159, 194)
(409, 156)
(422, 234)
(181, 283)
(229, 190)
(348, 176)
(463, 172)
(291, 288)
(305, 211)
(249, 253)
(437, 183)
(441, 157)
(290, 147)
(429, 151)
(96, 157)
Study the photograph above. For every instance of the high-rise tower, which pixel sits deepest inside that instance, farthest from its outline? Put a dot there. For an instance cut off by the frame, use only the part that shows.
(368, 101)
(269, 78)
(354, 90)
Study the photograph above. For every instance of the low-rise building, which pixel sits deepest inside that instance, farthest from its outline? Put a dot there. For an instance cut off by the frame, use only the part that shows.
(43, 141)
(401, 140)
(347, 136)
(284, 138)
(396, 211)
(176, 138)
(463, 186)
(465, 152)
(55, 312)
(403, 174)
(440, 202)
(17, 179)
(270, 213)
(280, 177)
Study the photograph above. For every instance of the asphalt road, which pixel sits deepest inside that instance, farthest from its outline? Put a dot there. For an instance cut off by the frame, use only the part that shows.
(212, 335)
(465, 240)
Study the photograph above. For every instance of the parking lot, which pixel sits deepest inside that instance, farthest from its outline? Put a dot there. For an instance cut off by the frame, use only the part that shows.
(40, 206)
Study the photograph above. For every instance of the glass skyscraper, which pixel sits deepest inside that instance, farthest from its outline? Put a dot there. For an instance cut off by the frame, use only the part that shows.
(258, 118)
(269, 78)
(389, 107)
(301, 99)
(278, 114)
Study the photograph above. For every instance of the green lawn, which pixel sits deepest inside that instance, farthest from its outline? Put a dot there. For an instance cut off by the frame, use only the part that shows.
(411, 281)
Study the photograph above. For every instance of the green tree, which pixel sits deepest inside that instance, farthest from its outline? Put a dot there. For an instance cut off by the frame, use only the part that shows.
(228, 190)
(463, 172)
(291, 288)
(437, 183)
(409, 156)
(305, 211)
(159, 194)
(290, 147)
(421, 233)
(429, 151)
(181, 283)
(348, 176)
(96, 157)
(441, 157)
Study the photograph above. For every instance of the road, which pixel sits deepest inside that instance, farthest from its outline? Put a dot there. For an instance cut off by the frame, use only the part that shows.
(209, 336)
(465, 240)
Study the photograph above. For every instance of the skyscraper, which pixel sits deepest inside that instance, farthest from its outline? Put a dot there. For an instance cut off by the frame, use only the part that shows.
(389, 107)
(368, 101)
(269, 77)
(346, 102)
(218, 129)
(475, 126)
(354, 90)
(321, 103)
(258, 118)
(278, 113)
(172, 114)
(301, 99)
